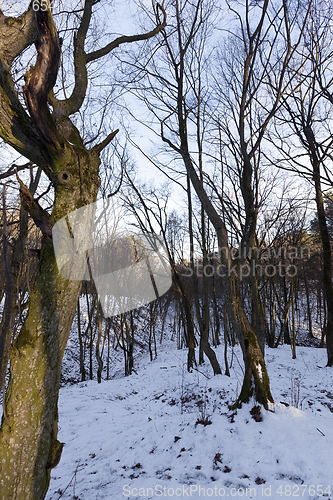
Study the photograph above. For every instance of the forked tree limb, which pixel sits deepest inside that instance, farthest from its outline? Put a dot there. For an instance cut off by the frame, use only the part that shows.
(71, 105)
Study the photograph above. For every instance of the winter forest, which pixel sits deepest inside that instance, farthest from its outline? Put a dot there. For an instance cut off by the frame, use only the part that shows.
(166, 229)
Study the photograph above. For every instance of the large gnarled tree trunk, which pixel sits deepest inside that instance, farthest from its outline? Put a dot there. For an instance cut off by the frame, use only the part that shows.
(29, 447)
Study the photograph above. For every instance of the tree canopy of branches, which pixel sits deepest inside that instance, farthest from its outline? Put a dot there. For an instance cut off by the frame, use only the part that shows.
(176, 85)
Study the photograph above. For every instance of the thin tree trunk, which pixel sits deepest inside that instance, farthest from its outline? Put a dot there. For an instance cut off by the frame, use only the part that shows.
(272, 314)
(327, 266)
(191, 361)
(292, 293)
(108, 354)
(226, 336)
(150, 331)
(286, 306)
(90, 329)
(326, 244)
(204, 346)
(191, 342)
(217, 323)
(99, 337)
(82, 368)
(8, 308)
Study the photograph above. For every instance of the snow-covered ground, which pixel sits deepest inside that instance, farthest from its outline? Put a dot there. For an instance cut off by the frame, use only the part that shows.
(141, 436)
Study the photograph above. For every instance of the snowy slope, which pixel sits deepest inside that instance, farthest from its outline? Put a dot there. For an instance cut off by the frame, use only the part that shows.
(138, 437)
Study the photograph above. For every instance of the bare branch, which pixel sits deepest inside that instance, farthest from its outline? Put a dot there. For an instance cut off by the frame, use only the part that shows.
(14, 169)
(74, 102)
(97, 54)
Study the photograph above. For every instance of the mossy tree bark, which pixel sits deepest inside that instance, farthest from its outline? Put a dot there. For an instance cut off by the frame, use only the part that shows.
(29, 448)
(256, 381)
(14, 272)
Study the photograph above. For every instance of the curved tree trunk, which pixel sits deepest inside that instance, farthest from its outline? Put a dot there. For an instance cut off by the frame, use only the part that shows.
(256, 380)
(308, 304)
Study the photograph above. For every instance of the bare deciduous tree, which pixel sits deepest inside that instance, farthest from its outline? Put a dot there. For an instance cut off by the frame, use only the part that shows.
(41, 129)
